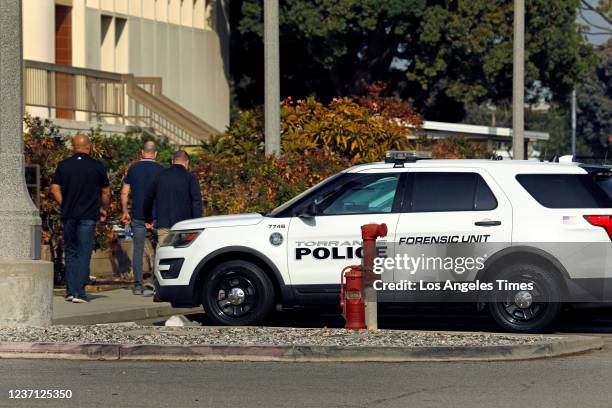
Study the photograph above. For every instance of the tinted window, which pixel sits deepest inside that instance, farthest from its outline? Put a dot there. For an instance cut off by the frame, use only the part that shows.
(367, 193)
(451, 192)
(484, 200)
(282, 209)
(606, 185)
(565, 190)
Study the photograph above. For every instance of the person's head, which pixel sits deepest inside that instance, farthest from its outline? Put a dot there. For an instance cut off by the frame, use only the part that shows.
(182, 158)
(81, 144)
(149, 150)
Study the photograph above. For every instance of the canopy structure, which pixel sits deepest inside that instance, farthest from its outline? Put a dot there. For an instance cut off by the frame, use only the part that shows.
(501, 134)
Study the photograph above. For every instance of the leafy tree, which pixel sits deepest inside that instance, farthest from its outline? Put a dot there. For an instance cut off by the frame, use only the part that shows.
(440, 54)
(594, 99)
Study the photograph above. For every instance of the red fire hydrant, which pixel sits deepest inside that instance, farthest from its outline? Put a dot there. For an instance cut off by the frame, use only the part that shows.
(354, 277)
(369, 233)
(351, 298)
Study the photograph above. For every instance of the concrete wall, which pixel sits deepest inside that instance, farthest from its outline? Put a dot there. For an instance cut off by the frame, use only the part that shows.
(186, 43)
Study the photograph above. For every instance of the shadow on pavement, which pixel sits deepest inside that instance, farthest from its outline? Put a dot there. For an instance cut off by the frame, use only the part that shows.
(430, 317)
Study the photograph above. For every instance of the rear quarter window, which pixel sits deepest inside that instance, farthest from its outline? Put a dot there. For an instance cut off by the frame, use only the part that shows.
(565, 190)
(606, 185)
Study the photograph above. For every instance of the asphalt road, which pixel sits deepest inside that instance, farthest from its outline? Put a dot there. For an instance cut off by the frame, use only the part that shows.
(583, 380)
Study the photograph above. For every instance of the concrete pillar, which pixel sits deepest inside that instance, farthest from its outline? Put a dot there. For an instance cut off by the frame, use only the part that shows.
(26, 284)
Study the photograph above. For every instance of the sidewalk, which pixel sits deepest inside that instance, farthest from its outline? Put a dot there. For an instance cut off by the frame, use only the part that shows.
(112, 306)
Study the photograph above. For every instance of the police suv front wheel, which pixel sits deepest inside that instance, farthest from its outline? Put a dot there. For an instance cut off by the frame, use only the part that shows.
(534, 306)
(237, 293)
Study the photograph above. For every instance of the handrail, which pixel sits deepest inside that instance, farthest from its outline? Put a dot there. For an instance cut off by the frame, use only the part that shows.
(196, 119)
(102, 93)
(155, 82)
(169, 110)
(67, 69)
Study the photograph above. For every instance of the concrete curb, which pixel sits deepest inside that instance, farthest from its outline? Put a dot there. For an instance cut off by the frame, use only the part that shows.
(126, 315)
(294, 353)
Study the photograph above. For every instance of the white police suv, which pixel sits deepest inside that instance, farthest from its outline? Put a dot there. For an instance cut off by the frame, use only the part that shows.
(546, 225)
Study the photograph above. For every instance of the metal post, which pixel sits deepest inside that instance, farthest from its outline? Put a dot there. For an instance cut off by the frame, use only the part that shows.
(369, 233)
(574, 124)
(272, 78)
(518, 81)
(371, 307)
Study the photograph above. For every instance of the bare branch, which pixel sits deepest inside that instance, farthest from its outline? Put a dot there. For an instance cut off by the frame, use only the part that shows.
(608, 29)
(595, 10)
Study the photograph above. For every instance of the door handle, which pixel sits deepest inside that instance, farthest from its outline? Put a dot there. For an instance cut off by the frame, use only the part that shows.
(487, 223)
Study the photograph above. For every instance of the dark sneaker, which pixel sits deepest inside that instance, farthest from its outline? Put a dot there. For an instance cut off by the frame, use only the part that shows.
(69, 298)
(138, 290)
(79, 300)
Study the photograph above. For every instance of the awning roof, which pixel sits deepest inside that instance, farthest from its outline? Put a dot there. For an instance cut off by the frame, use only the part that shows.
(446, 129)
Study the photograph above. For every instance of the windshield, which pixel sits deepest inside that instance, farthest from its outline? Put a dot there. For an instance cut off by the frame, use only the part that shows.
(280, 209)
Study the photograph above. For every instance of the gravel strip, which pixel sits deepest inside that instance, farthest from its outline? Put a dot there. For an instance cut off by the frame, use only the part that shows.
(269, 336)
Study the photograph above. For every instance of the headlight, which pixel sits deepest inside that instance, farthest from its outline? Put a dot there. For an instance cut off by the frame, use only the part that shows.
(181, 239)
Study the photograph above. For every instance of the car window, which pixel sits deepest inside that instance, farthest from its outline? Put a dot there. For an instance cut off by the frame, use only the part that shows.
(606, 186)
(280, 210)
(441, 191)
(565, 190)
(361, 194)
(484, 200)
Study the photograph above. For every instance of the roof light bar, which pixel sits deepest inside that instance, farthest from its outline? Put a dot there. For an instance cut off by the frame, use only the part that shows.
(399, 157)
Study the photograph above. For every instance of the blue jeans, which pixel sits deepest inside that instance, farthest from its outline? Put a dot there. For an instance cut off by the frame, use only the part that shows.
(140, 236)
(79, 237)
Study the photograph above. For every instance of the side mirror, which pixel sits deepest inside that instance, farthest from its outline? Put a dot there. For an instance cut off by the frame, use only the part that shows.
(309, 211)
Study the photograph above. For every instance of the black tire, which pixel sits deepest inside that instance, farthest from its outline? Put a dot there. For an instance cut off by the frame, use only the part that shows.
(544, 308)
(237, 293)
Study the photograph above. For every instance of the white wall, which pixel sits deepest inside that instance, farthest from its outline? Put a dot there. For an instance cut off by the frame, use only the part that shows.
(39, 30)
(186, 54)
(39, 38)
(188, 59)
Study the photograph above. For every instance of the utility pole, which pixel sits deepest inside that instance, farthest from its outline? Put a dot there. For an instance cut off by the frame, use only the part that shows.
(272, 78)
(574, 124)
(518, 82)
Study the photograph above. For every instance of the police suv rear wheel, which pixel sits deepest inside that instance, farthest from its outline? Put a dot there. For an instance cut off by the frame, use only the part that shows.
(237, 293)
(527, 311)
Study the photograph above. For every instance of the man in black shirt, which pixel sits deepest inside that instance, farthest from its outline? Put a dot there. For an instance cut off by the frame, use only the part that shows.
(137, 182)
(80, 186)
(175, 194)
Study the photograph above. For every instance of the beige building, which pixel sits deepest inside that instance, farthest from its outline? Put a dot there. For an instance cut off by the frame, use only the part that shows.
(161, 65)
